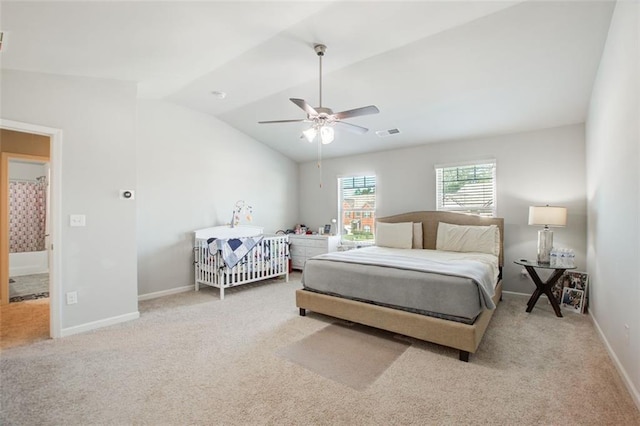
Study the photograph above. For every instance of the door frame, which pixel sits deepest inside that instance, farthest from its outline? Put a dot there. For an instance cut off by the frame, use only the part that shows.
(55, 248)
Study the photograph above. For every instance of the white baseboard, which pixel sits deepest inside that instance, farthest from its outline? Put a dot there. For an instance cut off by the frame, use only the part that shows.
(635, 395)
(98, 324)
(169, 292)
(519, 294)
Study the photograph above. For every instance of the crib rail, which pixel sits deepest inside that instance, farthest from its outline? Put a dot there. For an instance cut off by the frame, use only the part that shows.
(268, 259)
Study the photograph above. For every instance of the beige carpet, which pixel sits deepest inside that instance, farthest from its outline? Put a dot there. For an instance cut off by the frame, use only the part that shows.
(350, 354)
(192, 359)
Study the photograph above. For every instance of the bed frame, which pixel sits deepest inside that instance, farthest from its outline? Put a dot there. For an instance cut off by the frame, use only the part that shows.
(463, 337)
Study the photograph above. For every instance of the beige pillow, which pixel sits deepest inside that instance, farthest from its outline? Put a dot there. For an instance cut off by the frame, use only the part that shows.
(465, 238)
(394, 235)
(417, 235)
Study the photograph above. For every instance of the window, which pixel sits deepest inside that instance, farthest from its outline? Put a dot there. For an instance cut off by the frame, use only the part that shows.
(467, 188)
(357, 205)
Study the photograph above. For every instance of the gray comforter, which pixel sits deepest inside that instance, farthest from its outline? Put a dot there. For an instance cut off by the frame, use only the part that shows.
(454, 284)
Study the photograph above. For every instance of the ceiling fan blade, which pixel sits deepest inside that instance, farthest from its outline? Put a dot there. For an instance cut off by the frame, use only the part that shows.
(353, 128)
(305, 106)
(283, 121)
(371, 109)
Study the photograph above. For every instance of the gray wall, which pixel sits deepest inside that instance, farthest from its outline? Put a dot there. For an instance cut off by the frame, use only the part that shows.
(97, 118)
(541, 167)
(192, 168)
(613, 159)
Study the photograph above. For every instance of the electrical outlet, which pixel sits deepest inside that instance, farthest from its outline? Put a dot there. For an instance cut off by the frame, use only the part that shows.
(72, 298)
(627, 336)
(524, 273)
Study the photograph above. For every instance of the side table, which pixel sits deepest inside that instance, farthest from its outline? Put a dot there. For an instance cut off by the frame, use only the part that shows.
(543, 287)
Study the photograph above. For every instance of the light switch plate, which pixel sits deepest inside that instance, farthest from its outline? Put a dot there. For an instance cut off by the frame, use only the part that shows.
(77, 220)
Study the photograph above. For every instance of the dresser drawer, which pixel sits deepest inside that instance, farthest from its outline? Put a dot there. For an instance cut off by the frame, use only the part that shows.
(313, 251)
(304, 247)
(298, 250)
(317, 244)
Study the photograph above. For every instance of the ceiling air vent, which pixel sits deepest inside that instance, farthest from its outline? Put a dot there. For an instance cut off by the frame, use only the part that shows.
(385, 133)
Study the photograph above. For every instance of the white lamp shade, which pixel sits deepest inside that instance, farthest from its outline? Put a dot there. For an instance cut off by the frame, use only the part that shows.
(326, 134)
(310, 133)
(547, 216)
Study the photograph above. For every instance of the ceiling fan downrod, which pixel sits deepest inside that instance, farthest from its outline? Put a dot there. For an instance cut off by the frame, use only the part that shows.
(320, 49)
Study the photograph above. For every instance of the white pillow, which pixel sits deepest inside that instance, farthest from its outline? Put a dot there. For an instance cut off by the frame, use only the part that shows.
(464, 238)
(394, 235)
(417, 235)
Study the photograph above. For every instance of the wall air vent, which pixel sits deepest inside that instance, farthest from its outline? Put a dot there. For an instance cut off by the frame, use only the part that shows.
(385, 133)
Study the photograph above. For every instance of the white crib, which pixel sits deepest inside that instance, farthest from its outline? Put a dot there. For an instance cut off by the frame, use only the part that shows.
(268, 259)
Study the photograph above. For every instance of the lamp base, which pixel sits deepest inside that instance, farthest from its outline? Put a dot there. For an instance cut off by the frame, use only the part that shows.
(545, 244)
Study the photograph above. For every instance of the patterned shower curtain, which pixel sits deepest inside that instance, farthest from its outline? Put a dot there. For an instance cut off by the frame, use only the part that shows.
(27, 215)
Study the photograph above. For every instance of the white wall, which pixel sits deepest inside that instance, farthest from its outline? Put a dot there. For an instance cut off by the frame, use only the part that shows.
(192, 168)
(23, 170)
(97, 118)
(613, 188)
(541, 167)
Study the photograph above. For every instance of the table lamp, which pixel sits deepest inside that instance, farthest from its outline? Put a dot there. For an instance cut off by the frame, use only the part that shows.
(546, 216)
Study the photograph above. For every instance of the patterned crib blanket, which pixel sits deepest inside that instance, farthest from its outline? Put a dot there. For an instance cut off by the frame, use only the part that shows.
(233, 250)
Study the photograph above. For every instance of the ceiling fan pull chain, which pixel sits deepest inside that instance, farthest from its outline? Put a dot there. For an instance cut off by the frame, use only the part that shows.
(319, 164)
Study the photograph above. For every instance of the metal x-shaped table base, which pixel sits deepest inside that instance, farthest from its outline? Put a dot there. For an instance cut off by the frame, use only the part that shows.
(544, 287)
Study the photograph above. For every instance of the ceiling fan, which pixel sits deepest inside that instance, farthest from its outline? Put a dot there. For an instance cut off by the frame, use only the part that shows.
(323, 119)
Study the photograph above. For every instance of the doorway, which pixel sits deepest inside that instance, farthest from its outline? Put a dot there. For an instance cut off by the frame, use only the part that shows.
(53, 244)
(28, 227)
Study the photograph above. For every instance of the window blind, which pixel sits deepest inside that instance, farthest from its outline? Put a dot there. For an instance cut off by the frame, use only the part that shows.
(467, 187)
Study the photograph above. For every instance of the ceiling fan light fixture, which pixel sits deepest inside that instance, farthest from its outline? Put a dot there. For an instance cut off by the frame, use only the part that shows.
(322, 118)
(310, 133)
(327, 134)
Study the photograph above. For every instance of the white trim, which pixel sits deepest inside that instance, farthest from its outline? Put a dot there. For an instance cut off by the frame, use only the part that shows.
(520, 294)
(55, 260)
(635, 394)
(169, 292)
(465, 163)
(99, 324)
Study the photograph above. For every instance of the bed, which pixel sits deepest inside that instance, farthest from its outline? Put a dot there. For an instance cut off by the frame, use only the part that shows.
(382, 296)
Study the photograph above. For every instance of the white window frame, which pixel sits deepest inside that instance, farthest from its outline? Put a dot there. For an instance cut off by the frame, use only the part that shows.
(372, 215)
(481, 208)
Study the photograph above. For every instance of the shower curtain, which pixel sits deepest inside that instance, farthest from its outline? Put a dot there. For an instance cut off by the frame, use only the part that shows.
(27, 215)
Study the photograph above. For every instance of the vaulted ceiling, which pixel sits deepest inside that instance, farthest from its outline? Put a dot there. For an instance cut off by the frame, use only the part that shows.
(437, 71)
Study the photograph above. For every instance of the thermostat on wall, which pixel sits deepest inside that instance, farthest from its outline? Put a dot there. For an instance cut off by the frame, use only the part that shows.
(127, 194)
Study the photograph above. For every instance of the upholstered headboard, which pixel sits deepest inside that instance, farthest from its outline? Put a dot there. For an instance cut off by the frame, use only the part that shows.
(430, 220)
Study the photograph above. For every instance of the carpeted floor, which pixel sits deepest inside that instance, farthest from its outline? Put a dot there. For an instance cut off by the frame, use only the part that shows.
(348, 353)
(193, 359)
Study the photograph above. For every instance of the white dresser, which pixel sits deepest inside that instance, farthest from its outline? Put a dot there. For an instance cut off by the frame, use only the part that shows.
(306, 246)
